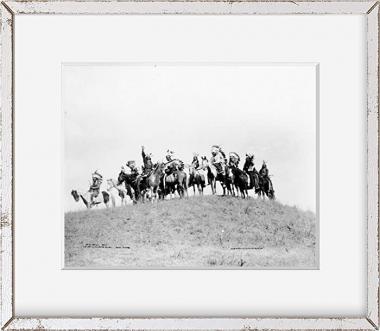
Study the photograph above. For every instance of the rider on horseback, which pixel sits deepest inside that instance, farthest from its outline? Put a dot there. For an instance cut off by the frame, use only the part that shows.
(249, 164)
(131, 169)
(264, 174)
(172, 164)
(148, 164)
(197, 169)
(234, 160)
(195, 162)
(249, 168)
(218, 159)
(94, 190)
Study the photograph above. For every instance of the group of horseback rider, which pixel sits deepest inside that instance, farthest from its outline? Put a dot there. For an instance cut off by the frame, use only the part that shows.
(218, 161)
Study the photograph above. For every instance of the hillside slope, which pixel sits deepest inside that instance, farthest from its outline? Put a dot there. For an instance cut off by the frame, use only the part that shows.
(198, 232)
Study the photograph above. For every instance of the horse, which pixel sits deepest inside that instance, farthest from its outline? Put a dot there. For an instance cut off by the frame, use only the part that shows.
(240, 180)
(214, 173)
(252, 173)
(230, 181)
(153, 181)
(176, 180)
(217, 172)
(130, 183)
(197, 178)
(104, 197)
(265, 188)
(115, 192)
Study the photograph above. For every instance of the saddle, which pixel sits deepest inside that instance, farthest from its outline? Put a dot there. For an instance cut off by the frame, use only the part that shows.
(220, 168)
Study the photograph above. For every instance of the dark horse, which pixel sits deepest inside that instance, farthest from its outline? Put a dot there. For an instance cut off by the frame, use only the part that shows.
(250, 169)
(240, 180)
(177, 180)
(130, 183)
(197, 178)
(265, 187)
(152, 182)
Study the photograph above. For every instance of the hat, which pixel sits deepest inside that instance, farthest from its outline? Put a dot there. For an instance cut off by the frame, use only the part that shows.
(215, 148)
(235, 155)
(130, 163)
(195, 154)
(250, 155)
(96, 174)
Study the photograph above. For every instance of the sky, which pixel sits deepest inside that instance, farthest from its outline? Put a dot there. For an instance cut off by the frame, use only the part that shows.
(111, 110)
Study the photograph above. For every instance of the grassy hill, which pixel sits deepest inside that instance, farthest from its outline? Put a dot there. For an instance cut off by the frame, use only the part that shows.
(197, 232)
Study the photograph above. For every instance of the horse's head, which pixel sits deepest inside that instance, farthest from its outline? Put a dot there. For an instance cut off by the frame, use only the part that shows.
(121, 178)
(159, 168)
(204, 161)
(249, 157)
(111, 183)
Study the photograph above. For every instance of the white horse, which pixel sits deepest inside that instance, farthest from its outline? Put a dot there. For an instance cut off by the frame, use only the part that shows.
(116, 192)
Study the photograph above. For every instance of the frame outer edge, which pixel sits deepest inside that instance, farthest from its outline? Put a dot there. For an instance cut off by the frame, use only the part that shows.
(373, 165)
(199, 324)
(197, 7)
(6, 86)
(6, 190)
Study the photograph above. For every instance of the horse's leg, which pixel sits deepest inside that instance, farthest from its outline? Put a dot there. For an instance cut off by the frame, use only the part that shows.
(181, 190)
(151, 195)
(224, 188)
(129, 193)
(171, 191)
(185, 187)
(223, 184)
(113, 200)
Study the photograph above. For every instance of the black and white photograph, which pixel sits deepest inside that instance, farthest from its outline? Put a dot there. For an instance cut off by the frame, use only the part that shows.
(190, 165)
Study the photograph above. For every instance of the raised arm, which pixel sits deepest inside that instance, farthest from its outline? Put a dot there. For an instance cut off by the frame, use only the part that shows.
(143, 154)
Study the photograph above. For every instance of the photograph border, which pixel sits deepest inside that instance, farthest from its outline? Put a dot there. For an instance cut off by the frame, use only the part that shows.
(10, 9)
(315, 65)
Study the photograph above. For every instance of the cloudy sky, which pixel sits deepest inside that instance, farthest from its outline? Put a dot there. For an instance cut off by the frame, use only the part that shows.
(110, 110)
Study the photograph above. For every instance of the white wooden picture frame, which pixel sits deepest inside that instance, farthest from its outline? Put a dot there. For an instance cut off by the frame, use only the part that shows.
(10, 9)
